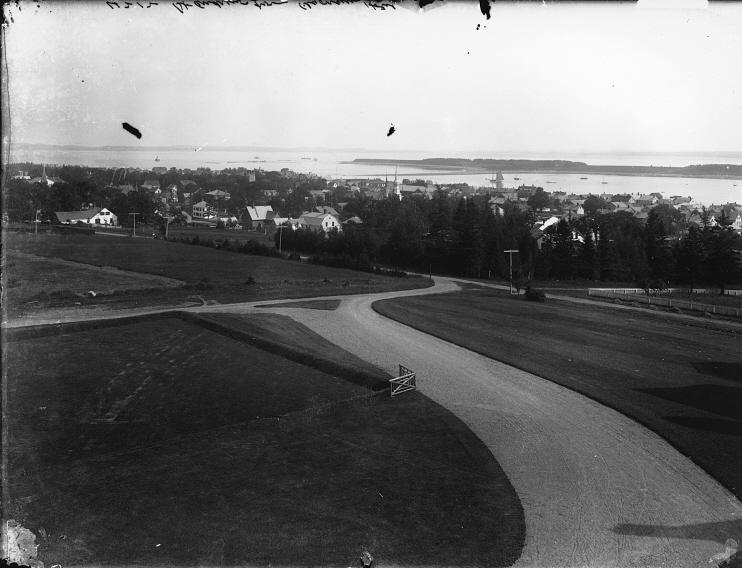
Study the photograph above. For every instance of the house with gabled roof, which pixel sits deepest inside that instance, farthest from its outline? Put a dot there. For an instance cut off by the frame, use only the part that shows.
(93, 216)
(316, 221)
(258, 216)
(646, 200)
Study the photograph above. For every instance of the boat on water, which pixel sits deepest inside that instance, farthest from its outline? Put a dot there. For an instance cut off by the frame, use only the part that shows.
(157, 158)
(549, 181)
(583, 178)
(604, 182)
(517, 179)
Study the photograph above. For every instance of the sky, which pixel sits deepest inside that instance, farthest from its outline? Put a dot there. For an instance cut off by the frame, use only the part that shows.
(535, 77)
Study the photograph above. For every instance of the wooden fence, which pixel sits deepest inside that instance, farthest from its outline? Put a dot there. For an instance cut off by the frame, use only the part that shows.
(640, 296)
(403, 383)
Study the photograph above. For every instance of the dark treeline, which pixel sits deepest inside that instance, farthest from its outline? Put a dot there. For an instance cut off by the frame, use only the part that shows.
(465, 238)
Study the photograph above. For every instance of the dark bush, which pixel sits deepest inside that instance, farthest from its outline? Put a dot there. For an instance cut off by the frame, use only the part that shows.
(532, 295)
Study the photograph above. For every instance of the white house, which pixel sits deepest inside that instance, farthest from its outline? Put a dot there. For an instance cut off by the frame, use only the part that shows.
(95, 216)
(203, 210)
(316, 221)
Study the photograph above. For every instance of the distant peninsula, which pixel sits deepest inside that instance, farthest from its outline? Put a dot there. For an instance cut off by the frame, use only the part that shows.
(482, 165)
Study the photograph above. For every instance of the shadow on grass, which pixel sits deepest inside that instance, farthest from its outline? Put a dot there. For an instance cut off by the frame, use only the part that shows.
(722, 400)
(719, 531)
(718, 425)
(310, 305)
(723, 370)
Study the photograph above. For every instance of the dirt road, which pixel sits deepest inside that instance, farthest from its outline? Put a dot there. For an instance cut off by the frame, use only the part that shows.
(597, 488)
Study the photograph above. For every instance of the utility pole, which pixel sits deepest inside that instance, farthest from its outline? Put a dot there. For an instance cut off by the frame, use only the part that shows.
(511, 251)
(280, 237)
(134, 219)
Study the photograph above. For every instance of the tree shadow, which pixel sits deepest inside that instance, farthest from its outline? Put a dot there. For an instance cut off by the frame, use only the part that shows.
(723, 370)
(719, 531)
(717, 425)
(722, 400)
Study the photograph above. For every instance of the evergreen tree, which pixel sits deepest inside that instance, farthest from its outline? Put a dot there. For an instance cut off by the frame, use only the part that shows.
(588, 258)
(691, 256)
(723, 260)
(562, 265)
(657, 252)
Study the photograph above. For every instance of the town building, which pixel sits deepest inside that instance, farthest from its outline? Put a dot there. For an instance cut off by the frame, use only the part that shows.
(316, 221)
(93, 216)
(257, 217)
(203, 210)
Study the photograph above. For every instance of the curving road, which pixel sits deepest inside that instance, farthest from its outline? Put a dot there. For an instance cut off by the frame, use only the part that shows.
(597, 488)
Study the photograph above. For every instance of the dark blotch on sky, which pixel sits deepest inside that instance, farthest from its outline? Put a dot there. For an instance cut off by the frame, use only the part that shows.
(131, 130)
(392, 130)
(484, 5)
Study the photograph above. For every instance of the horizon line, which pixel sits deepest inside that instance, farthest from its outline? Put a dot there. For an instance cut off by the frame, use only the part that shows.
(206, 147)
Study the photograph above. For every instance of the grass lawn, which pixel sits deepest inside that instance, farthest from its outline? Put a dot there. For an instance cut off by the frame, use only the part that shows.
(213, 274)
(31, 277)
(281, 335)
(158, 441)
(680, 379)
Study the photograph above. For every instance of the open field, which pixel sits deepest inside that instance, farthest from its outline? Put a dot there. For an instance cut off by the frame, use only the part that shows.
(32, 277)
(212, 274)
(680, 379)
(158, 441)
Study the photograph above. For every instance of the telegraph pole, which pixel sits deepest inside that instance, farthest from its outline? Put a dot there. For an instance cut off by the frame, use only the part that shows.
(511, 251)
(280, 237)
(134, 219)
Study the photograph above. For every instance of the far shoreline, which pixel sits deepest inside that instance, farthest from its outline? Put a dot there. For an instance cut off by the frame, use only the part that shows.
(469, 172)
(628, 171)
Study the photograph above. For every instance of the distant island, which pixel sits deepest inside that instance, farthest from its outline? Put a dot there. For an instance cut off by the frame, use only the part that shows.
(481, 165)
